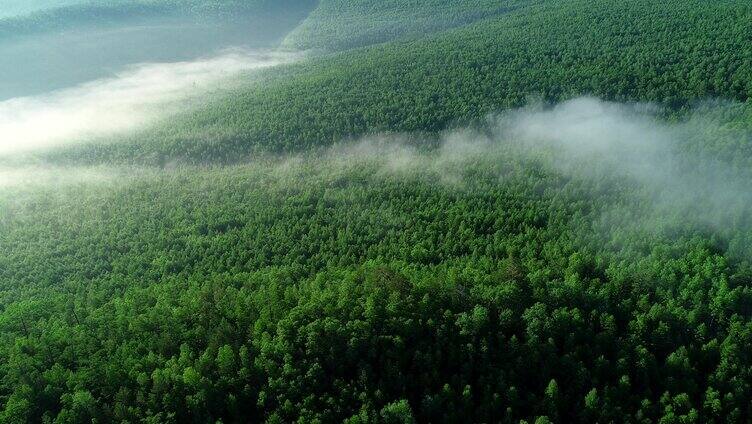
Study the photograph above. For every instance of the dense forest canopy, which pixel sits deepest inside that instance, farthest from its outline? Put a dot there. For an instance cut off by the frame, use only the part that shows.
(387, 212)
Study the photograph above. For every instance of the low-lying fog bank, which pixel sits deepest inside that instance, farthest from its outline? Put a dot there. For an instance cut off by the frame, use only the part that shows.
(128, 101)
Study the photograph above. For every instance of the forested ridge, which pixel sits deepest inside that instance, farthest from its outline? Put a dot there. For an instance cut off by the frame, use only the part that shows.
(675, 53)
(417, 225)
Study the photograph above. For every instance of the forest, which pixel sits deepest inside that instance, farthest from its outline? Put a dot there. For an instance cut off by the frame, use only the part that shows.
(398, 212)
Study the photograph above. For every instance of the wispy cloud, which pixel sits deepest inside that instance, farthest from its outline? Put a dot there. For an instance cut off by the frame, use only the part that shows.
(667, 170)
(653, 174)
(132, 99)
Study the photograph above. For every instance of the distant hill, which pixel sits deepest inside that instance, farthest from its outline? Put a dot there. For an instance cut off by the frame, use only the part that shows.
(338, 24)
(66, 14)
(15, 8)
(60, 47)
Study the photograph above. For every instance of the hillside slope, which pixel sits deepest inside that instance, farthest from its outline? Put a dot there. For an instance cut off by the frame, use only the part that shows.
(674, 54)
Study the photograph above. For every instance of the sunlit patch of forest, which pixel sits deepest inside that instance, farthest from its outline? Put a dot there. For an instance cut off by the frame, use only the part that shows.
(465, 211)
